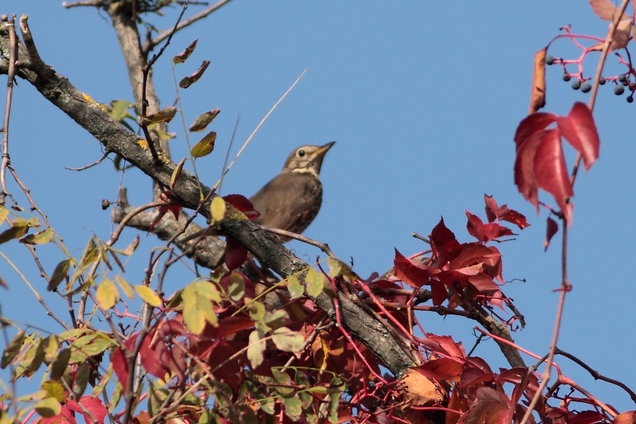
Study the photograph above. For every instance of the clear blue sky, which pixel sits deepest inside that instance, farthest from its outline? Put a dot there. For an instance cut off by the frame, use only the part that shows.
(423, 99)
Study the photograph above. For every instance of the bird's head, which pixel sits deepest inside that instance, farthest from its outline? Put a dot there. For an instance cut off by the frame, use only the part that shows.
(307, 159)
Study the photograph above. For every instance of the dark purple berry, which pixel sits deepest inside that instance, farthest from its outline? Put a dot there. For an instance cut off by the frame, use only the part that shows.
(622, 78)
(601, 81)
(586, 87)
(630, 98)
(549, 60)
(576, 84)
(618, 90)
(566, 77)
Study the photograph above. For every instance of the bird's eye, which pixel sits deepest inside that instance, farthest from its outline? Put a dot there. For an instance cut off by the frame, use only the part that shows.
(301, 153)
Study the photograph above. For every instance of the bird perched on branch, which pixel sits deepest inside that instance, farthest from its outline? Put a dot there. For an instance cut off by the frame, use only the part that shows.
(292, 199)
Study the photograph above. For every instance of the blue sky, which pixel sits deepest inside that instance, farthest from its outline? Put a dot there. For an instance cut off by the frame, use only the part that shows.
(423, 99)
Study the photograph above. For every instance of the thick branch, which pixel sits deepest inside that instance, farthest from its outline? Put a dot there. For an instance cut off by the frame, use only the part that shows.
(115, 138)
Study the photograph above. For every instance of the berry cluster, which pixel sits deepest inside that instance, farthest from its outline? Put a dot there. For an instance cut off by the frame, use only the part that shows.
(579, 83)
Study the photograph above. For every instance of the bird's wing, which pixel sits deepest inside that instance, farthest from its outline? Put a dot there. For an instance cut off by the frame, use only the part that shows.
(293, 206)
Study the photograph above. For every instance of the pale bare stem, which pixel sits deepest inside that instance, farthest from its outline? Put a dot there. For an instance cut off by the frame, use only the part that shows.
(145, 72)
(599, 71)
(114, 237)
(34, 291)
(260, 124)
(6, 160)
(159, 38)
(91, 3)
(320, 245)
(549, 362)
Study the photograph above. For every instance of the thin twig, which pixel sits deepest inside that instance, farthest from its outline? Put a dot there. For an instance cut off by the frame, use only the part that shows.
(90, 165)
(259, 126)
(320, 245)
(158, 39)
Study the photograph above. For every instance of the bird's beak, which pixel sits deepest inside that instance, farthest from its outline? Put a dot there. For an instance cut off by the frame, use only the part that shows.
(319, 155)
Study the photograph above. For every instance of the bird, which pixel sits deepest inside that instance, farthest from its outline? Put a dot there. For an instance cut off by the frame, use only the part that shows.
(292, 199)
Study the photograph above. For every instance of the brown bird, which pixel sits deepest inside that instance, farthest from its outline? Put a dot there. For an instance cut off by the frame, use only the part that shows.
(292, 199)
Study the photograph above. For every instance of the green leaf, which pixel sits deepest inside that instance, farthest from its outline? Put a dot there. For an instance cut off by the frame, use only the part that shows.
(48, 407)
(59, 365)
(119, 110)
(59, 273)
(255, 349)
(81, 380)
(197, 305)
(293, 407)
(90, 254)
(12, 349)
(54, 389)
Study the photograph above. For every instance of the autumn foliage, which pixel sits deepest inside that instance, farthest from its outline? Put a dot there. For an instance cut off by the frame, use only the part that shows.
(262, 336)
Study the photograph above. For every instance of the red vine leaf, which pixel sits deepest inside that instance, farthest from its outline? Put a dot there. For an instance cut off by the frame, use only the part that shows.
(579, 130)
(551, 229)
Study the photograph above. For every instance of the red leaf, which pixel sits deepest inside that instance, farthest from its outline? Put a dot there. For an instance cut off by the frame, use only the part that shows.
(551, 228)
(438, 292)
(243, 204)
(551, 172)
(412, 273)
(64, 417)
(156, 357)
(445, 345)
(89, 404)
(441, 369)
(585, 417)
(119, 361)
(235, 253)
(579, 130)
(475, 226)
(531, 125)
(444, 244)
(492, 210)
(524, 168)
(513, 216)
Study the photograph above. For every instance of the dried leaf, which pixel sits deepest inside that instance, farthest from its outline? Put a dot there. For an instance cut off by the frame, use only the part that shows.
(164, 115)
(537, 95)
(12, 349)
(188, 81)
(203, 120)
(41, 237)
(418, 389)
(185, 54)
(551, 229)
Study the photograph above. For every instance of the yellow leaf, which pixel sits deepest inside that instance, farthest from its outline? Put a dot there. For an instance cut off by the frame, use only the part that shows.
(217, 209)
(255, 349)
(4, 213)
(41, 237)
(17, 230)
(125, 286)
(205, 146)
(149, 296)
(107, 294)
(176, 173)
(132, 246)
(90, 254)
(295, 288)
(315, 282)
(287, 340)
